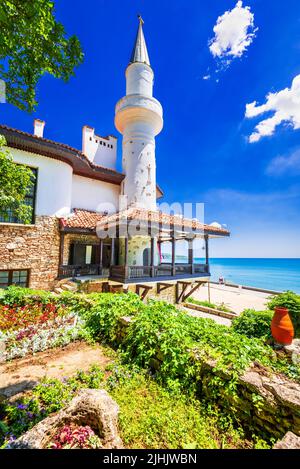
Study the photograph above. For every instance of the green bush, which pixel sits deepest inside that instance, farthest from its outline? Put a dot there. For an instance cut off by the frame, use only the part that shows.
(254, 323)
(162, 332)
(291, 301)
(102, 318)
(25, 296)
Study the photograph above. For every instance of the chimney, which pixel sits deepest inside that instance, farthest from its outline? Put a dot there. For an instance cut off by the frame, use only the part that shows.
(38, 126)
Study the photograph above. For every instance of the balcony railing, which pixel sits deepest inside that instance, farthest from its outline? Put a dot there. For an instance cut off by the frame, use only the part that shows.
(65, 271)
(122, 273)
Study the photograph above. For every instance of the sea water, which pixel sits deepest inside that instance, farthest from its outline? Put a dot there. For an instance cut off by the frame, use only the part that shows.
(269, 274)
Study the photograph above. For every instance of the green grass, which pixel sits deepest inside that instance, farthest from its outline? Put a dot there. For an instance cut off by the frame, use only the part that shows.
(208, 304)
(150, 416)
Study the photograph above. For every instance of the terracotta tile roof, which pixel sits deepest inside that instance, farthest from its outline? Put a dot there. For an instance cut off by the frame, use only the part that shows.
(83, 219)
(89, 220)
(79, 161)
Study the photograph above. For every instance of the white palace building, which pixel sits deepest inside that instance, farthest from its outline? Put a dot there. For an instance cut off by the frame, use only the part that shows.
(88, 219)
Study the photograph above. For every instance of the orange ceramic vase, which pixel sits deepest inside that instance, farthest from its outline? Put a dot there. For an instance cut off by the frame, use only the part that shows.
(282, 326)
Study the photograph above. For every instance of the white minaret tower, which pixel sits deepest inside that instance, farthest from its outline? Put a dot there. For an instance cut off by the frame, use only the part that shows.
(139, 119)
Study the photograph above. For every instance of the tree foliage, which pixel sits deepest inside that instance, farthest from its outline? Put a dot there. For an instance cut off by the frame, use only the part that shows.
(15, 181)
(33, 43)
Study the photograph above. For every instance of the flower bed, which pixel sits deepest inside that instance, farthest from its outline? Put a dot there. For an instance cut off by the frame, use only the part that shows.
(16, 317)
(41, 336)
(75, 437)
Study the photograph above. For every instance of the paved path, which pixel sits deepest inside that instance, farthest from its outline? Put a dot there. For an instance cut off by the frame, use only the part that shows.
(24, 373)
(201, 314)
(235, 298)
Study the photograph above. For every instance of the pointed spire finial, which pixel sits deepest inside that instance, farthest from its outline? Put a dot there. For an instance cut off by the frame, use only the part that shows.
(140, 53)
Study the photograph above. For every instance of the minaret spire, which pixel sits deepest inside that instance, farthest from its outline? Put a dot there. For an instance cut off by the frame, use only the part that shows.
(139, 118)
(139, 52)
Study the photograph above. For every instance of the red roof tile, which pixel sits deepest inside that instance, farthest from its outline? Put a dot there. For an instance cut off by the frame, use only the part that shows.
(82, 219)
(89, 220)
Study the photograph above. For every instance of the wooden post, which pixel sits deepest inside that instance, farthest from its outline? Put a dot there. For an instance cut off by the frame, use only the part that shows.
(206, 253)
(100, 256)
(152, 257)
(173, 255)
(112, 252)
(191, 254)
(126, 257)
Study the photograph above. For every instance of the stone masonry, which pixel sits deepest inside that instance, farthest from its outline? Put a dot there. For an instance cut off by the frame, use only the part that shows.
(34, 247)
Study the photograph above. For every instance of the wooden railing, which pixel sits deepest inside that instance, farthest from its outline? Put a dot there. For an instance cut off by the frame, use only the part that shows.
(65, 271)
(122, 273)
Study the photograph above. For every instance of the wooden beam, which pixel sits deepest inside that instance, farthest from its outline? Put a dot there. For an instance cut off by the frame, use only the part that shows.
(179, 295)
(145, 288)
(193, 289)
(161, 286)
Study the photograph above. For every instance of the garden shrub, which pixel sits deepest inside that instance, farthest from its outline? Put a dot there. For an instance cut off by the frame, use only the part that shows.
(291, 301)
(254, 323)
(18, 296)
(162, 332)
(102, 318)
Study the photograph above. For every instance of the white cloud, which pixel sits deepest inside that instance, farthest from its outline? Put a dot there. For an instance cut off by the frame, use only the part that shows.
(234, 32)
(286, 107)
(282, 165)
(206, 77)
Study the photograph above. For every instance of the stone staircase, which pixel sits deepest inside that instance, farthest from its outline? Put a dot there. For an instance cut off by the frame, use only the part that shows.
(65, 285)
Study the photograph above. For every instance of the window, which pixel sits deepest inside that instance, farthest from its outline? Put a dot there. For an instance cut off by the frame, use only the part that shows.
(14, 277)
(9, 217)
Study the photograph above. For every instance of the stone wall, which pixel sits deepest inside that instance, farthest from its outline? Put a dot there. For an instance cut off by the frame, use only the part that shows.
(265, 402)
(34, 247)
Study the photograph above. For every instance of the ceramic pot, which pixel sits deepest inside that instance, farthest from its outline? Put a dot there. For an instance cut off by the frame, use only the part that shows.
(282, 326)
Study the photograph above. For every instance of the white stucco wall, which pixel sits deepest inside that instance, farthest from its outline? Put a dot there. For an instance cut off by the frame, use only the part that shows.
(54, 182)
(139, 79)
(139, 118)
(99, 150)
(94, 195)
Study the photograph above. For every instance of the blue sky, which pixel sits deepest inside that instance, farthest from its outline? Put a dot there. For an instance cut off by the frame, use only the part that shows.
(203, 153)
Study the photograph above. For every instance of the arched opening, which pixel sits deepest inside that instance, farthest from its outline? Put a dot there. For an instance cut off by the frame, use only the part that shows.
(146, 257)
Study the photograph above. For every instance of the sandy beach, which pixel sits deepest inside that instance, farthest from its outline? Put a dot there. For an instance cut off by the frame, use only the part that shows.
(236, 299)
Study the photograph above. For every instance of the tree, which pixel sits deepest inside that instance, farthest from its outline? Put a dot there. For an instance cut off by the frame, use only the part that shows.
(33, 43)
(15, 182)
